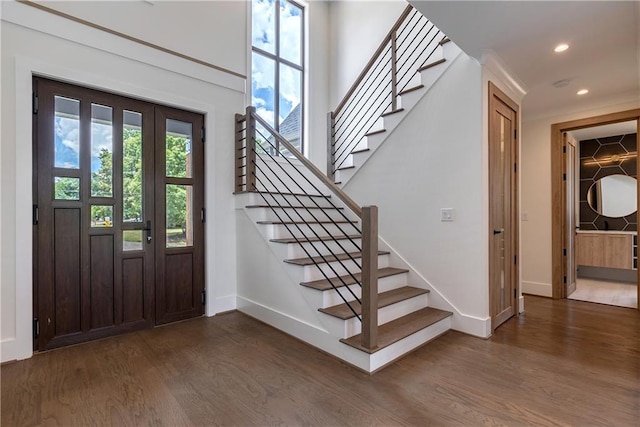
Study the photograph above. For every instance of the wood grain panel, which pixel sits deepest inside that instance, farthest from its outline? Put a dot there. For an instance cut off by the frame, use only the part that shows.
(133, 289)
(102, 287)
(67, 277)
(562, 363)
(179, 283)
(590, 248)
(604, 250)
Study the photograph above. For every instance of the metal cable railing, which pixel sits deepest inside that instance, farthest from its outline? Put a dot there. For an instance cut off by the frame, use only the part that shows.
(321, 228)
(407, 48)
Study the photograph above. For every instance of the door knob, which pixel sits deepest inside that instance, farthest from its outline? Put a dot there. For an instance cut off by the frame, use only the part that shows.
(498, 231)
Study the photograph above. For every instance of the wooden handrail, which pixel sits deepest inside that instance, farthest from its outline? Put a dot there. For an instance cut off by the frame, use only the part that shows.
(351, 204)
(373, 59)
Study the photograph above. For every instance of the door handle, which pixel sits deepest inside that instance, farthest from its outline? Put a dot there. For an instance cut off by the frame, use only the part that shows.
(498, 231)
(148, 230)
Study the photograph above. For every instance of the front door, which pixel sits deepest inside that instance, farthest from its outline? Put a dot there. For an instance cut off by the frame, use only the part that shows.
(503, 226)
(116, 248)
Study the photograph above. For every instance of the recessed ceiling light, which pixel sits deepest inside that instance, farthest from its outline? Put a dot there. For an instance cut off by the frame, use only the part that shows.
(583, 91)
(561, 47)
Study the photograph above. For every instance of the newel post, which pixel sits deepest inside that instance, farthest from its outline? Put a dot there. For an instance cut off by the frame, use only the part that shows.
(370, 277)
(331, 142)
(251, 149)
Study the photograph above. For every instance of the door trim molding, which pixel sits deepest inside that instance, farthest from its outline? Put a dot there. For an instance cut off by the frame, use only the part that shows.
(495, 95)
(558, 210)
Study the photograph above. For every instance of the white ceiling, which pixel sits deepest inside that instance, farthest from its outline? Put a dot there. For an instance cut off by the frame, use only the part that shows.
(604, 53)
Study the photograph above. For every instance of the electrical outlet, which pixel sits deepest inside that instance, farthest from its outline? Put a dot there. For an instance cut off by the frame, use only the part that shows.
(446, 214)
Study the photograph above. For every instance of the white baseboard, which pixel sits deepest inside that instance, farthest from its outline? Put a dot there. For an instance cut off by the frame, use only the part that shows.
(536, 288)
(10, 350)
(221, 304)
(521, 304)
(306, 332)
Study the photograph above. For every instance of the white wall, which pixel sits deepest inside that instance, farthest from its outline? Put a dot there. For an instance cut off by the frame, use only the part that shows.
(536, 193)
(356, 30)
(436, 159)
(36, 42)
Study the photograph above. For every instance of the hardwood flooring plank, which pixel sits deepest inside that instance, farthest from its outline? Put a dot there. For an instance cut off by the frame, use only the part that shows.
(560, 363)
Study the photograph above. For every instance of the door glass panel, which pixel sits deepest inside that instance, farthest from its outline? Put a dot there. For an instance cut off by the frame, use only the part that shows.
(101, 216)
(178, 148)
(132, 167)
(101, 151)
(67, 133)
(179, 217)
(132, 240)
(66, 188)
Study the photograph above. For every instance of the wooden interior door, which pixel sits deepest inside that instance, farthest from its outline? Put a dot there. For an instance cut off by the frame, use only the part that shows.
(571, 182)
(100, 257)
(503, 225)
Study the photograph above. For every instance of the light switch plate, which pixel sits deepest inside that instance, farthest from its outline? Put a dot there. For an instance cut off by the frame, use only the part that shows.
(446, 214)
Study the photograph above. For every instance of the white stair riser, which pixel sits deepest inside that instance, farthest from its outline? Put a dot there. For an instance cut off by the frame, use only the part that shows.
(279, 231)
(331, 297)
(409, 100)
(299, 214)
(337, 268)
(295, 250)
(351, 327)
(278, 199)
(344, 175)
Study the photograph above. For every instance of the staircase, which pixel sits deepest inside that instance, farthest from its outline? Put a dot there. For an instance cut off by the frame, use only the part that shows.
(410, 59)
(366, 310)
(310, 259)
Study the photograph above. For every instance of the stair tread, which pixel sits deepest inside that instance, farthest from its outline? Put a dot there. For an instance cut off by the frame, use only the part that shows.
(315, 239)
(342, 311)
(388, 113)
(363, 150)
(324, 284)
(307, 222)
(411, 89)
(328, 258)
(292, 207)
(394, 331)
(345, 168)
(374, 132)
(444, 41)
(431, 64)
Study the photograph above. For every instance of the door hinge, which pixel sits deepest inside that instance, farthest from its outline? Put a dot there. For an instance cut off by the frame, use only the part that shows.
(564, 280)
(564, 149)
(35, 103)
(515, 167)
(203, 215)
(36, 327)
(35, 214)
(204, 298)
(515, 293)
(515, 259)
(204, 134)
(515, 134)
(564, 251)
(564, 176)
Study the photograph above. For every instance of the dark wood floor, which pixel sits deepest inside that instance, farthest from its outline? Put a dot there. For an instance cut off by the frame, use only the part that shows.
(561, 363)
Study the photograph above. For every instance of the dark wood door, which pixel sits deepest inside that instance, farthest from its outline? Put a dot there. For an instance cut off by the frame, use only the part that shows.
(95, 211)
(503, 225)
(180, 215)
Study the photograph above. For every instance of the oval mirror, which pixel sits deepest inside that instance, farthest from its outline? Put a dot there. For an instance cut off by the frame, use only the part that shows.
(614, 196)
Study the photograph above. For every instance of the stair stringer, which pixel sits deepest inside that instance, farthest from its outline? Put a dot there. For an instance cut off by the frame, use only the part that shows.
(472, 325)
(451, 52)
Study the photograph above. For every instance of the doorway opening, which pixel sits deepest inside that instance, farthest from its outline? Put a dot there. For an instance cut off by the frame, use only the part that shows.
(118, 194)
(595, 203)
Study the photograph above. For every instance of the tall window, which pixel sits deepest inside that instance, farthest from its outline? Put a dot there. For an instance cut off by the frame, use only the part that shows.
(277, 66)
